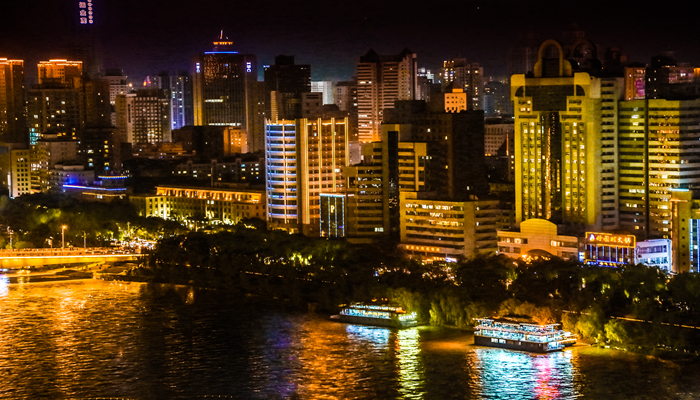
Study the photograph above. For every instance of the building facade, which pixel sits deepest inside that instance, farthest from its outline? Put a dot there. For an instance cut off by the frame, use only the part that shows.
(225, 90)
(13, 121)
(381, 80)
(303, 158)
(434, 230)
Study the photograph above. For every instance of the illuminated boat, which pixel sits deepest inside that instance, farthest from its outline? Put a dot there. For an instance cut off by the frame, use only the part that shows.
(377, 315)
(516, 335)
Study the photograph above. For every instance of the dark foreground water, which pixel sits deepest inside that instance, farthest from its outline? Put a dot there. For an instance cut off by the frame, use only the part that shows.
(99, 339)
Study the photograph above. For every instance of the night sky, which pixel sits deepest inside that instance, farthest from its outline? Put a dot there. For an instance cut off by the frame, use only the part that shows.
(146, 37)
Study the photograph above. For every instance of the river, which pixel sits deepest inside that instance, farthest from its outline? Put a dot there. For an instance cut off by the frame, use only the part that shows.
(92, 338)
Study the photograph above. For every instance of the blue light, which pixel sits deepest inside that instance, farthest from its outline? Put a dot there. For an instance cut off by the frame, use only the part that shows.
(220, 52)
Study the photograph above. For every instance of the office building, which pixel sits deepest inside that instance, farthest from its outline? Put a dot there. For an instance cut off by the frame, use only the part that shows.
(20, 181)
(285, 82)
(13, 122)
(325, 87)
(303, 158)
(468, 76)
(381, 80)
(54, 107)
(225, 90)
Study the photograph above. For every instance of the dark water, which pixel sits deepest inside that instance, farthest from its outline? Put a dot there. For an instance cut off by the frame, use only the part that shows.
(98, 339)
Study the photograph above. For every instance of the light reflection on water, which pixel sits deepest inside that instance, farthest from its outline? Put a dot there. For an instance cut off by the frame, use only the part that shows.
(100, 339)
(510, 374)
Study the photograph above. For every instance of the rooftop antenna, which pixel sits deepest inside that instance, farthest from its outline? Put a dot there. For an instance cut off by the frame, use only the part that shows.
(222, 35)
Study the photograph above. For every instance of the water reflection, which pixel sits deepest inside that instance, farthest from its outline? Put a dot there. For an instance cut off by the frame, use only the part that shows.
(411, 373)
(99, 339)
(506, 374)
(4, 285)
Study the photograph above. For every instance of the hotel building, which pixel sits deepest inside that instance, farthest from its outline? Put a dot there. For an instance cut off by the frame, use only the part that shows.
(564, 127)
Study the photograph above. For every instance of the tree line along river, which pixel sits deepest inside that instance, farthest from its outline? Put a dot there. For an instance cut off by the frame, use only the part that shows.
(91, 338)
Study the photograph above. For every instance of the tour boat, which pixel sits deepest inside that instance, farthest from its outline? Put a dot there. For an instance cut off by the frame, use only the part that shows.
(376, 314)
(517, 335)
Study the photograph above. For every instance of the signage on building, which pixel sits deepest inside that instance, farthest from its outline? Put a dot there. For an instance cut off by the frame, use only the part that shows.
(85, 12)
(610, 239)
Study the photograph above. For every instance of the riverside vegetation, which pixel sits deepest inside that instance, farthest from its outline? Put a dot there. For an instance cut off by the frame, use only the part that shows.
(587, 300)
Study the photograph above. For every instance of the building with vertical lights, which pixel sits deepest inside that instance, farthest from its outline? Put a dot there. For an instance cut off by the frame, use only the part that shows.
(560, 138)
(381, 80)
(225, 90)
(13, 122)
(658, 153)
(469, 76)
(179, 88)
(303, 158)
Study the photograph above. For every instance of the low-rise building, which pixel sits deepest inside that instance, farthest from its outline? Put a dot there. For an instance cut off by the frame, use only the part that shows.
(190, 204)
(537, 237)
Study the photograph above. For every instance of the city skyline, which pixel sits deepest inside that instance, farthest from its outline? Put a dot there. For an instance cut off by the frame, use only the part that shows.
(146, 38)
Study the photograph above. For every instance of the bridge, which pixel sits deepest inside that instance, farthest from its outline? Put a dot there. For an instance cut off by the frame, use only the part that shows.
(22, 258)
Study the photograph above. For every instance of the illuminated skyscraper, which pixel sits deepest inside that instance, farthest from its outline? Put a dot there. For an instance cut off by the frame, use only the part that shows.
(658, 153)
(179, 88)
(12, 116)
(381, 80)
(225, 90)
(303, 159)
(565, 143)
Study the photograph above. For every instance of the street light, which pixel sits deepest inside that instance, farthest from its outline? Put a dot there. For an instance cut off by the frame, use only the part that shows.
(63, 236)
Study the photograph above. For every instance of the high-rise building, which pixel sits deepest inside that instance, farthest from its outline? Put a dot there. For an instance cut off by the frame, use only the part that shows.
(559, 143)
(381, 80)
(54, 107)
(657, 154)
(523, 55)
(284, 84)
(179, 88)
(13, 122)
(469, 76)
(86, 45)
(225, 90)
(144, 117)
(373, 186)
(456, 166)
(303, 158)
